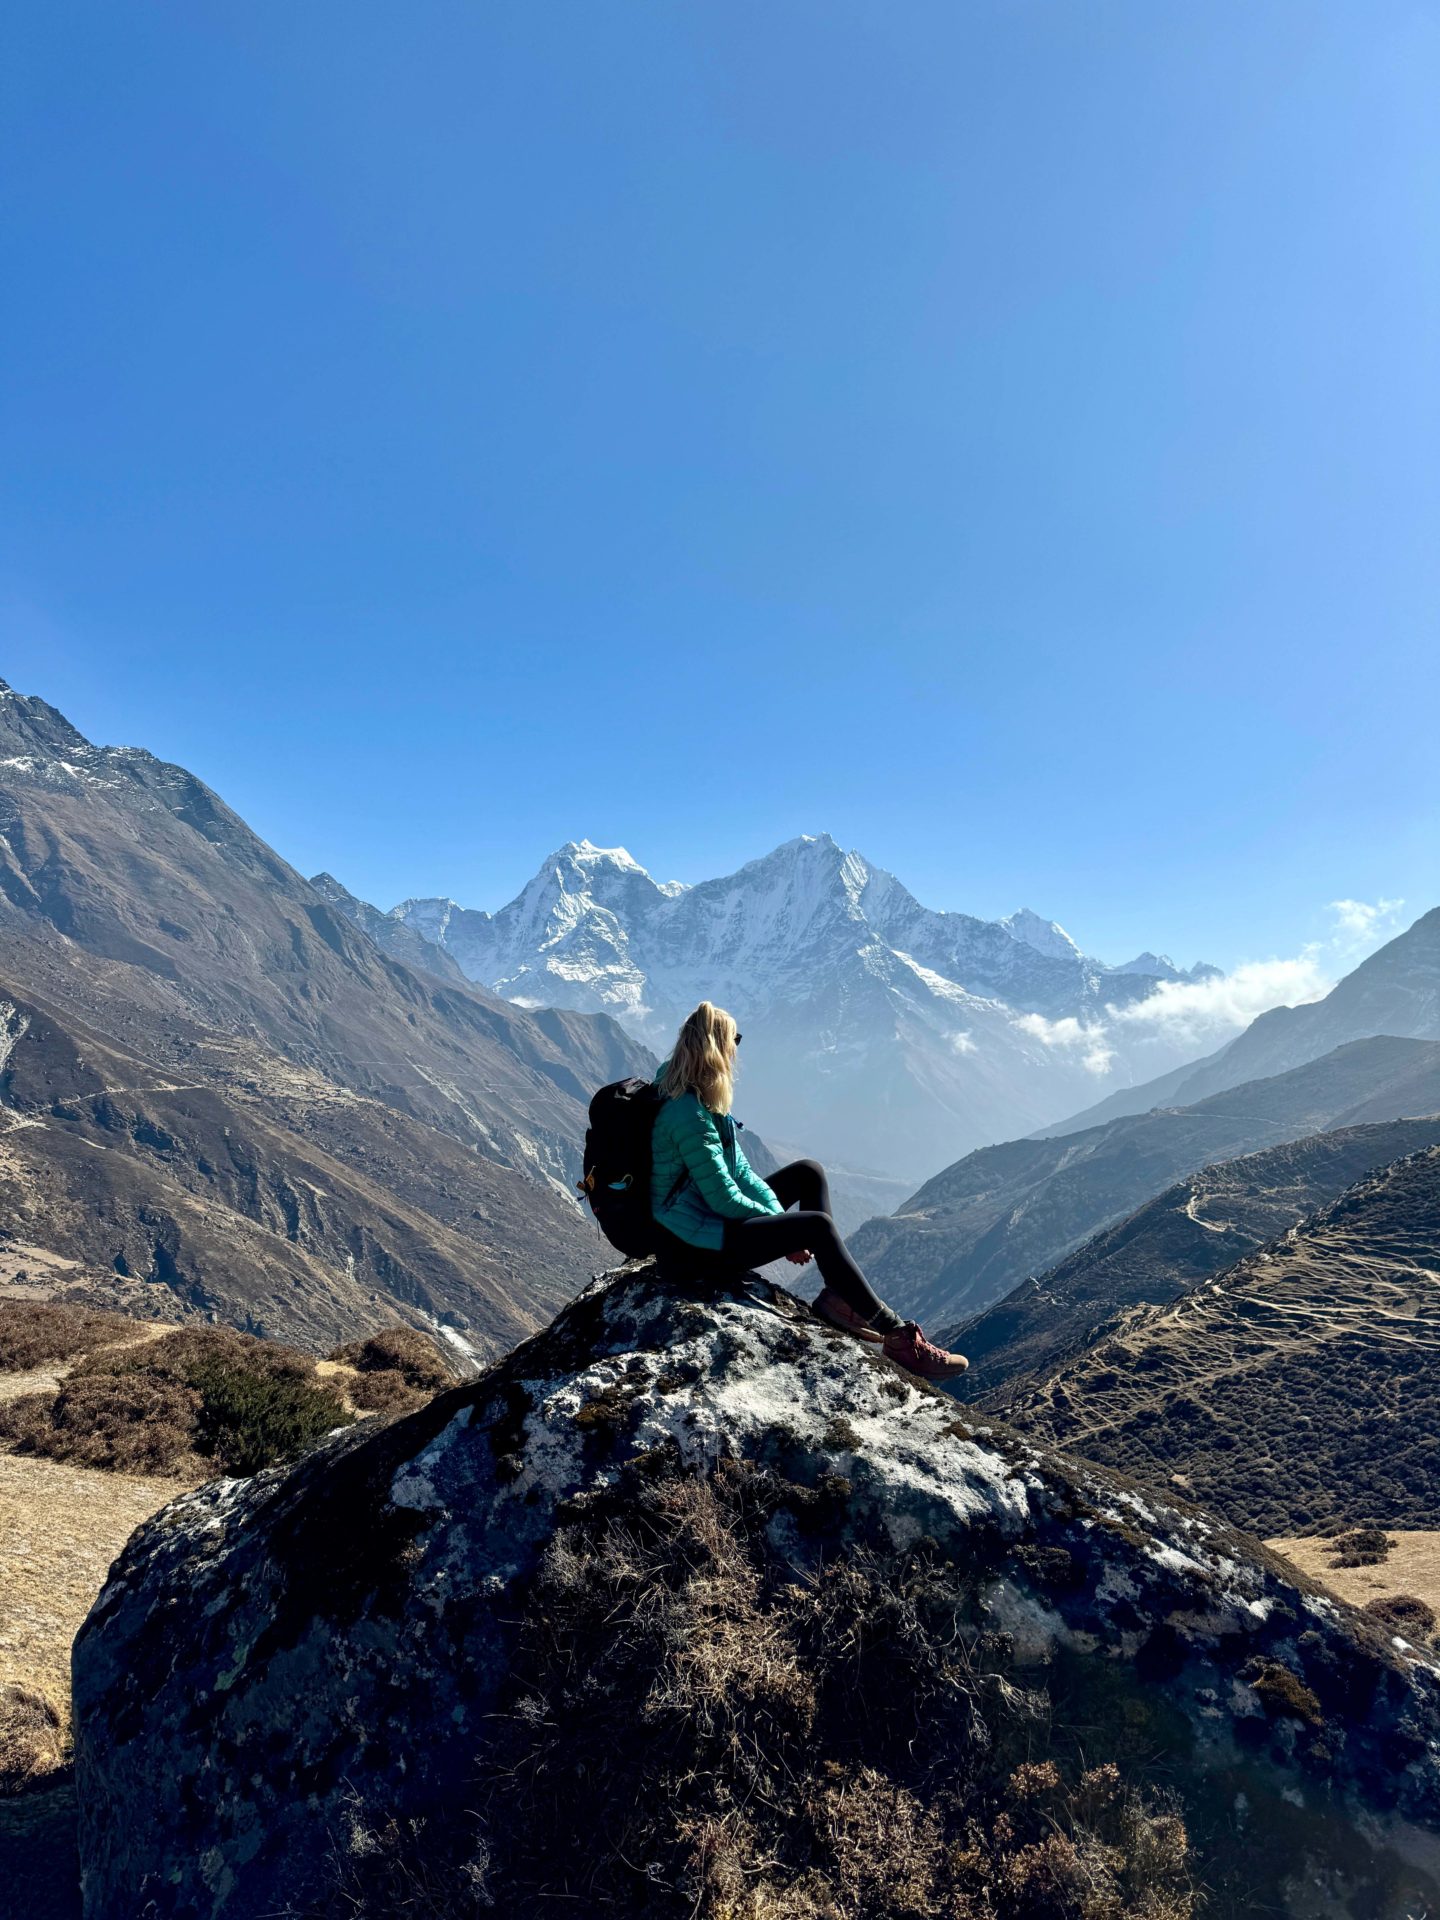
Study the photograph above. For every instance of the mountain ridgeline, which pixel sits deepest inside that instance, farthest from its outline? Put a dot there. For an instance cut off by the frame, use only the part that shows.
(1201, 1226)
(886, 1036)
(1006, 1214)
(1395, 991)
(1295, 1390)
(297, 1132)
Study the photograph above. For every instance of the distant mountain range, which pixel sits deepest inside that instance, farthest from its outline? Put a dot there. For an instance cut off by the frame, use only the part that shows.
(216, 1085)
(1395, 991)
(881, 1034)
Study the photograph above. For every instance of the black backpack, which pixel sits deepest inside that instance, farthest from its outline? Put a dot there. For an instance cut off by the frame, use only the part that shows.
(617, 1163)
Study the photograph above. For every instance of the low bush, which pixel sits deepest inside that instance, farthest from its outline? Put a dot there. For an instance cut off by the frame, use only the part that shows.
(403, 1350)
(130, 1423)
(1404, 1614)
(398, 1369)
(33, 1332)
(1360, 1547)
(384, 1392)
(196, 1398)
(29, 1737)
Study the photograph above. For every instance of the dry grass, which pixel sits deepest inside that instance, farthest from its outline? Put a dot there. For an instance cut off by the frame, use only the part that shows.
(60, 1528)
(692, 1730)
(1410, 1568)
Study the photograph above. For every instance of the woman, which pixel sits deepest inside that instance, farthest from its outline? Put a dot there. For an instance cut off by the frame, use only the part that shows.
(717, 1215)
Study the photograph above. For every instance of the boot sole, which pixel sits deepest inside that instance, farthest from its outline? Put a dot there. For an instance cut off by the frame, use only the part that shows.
(855, 1333)
(941, 1373)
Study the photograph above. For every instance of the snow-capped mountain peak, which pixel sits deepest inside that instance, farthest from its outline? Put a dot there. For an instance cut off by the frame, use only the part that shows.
(887, 1034)
(1045, 936)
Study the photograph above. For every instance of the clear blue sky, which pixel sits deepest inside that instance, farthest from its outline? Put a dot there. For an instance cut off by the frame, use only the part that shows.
(1000, 432)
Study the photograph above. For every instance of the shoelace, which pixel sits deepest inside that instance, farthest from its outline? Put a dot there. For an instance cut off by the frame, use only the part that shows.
(924, 1349)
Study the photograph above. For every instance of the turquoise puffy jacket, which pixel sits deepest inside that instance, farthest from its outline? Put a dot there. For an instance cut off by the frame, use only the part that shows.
(700, 1177)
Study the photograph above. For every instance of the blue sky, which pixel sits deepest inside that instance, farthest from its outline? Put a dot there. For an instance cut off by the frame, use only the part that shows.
(1002, 434)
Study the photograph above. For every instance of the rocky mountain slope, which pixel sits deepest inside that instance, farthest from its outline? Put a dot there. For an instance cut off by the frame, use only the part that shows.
(1396, 991)
(133, 899)
(692, 1607)
(1007, 1213)
(882, 1035)
(1296, 1389)
(391, 935)
(1196, 1228)
(251, 1191)
(214, 1083)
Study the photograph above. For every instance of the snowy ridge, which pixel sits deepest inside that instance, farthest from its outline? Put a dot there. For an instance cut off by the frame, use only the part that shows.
(888, 1035)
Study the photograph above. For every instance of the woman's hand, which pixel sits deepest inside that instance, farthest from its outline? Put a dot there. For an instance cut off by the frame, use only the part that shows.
(800, 1257)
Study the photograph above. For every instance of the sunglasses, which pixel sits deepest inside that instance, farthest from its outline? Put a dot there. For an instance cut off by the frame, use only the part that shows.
(738, 1038)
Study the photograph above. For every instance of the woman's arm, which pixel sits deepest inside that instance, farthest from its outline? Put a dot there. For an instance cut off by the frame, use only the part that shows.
(703, 1152)
(752, 1186)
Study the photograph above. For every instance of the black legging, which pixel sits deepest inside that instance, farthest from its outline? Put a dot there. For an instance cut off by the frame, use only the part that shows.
(755, 1243)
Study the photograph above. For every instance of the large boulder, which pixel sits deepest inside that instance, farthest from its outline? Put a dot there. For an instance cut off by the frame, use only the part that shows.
(695, 1607)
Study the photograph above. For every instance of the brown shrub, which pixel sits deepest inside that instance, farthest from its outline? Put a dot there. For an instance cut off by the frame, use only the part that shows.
(384, 1392)
(189, 1350)
(1360, 1547)
(35, 1331)
(171, 1405)
(404, 1350)
(128, 1424)
(1284, 1694)
(1405, 1614)
(29, 1737)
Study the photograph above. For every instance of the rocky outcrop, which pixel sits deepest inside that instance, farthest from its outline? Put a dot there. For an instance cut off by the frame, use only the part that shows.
(692, 1606)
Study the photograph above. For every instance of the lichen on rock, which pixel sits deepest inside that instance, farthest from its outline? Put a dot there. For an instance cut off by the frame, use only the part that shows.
(693, 1606)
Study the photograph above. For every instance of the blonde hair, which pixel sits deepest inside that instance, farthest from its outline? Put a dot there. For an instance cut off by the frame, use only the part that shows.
(703, 1061)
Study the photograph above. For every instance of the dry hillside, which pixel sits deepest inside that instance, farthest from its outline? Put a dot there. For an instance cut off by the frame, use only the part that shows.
(1194, 1229)
(1296, 1391)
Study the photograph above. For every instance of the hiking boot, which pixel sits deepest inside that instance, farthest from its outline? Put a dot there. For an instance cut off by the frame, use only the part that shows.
(910, 1349)
(832, 1308)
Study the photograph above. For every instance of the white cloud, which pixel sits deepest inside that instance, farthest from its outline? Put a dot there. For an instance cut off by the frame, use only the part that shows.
(1070, 1034)
(1204, 1012)
(1192, 1017)
(1364, 922)
(962, 1043)
(1052, 1033)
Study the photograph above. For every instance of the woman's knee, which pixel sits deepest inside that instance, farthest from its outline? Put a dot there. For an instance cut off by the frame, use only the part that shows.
(821, 1229)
